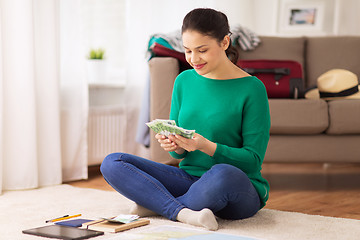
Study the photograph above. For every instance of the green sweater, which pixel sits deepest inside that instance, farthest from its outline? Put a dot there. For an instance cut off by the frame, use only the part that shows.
(232, 113)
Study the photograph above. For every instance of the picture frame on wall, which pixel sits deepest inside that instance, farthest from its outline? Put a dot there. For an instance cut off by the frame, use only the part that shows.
(302, 17)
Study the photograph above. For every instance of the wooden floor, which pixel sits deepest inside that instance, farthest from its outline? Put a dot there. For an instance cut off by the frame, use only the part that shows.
(319, 189)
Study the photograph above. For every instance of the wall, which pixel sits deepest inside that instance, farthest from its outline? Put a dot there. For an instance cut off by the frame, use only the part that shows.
(265, 16)
(349, 17)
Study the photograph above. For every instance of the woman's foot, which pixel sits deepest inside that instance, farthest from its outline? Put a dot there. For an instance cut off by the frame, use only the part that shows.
(139, 210)
(204, 218)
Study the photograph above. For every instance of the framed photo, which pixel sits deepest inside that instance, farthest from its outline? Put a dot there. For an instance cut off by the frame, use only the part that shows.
(302, 17)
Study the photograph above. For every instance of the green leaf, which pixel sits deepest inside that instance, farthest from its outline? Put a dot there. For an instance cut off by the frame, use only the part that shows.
(97, 53)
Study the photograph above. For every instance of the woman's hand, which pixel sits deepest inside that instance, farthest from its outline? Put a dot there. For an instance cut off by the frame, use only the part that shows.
(198, 142)
(168, 145)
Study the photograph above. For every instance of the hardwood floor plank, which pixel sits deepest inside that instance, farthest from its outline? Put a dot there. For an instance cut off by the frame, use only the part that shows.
(319, 189)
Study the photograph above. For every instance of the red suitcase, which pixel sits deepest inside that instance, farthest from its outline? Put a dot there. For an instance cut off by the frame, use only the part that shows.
(161, 51)
(282, 78)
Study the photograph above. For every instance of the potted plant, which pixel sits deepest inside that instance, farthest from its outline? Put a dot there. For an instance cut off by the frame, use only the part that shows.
(96, 66)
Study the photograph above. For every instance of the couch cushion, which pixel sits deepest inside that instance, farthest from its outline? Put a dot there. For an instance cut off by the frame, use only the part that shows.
(298, 116)
(313, 148)
(277, 48)
(325, 53)
(163, 71)
(344, 116)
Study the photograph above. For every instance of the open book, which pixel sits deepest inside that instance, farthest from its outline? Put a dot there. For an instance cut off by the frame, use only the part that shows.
(107, 226)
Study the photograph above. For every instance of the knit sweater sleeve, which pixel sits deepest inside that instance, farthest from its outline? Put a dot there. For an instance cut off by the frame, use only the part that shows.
(255, 135)
(174, 112)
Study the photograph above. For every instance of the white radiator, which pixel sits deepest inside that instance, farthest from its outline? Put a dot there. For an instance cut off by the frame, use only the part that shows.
(106, 132)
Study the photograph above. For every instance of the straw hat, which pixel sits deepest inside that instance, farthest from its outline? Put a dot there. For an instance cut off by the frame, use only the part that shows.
(336, 84)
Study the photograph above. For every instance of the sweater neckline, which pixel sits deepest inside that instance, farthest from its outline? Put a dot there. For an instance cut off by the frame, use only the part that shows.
(217, 80)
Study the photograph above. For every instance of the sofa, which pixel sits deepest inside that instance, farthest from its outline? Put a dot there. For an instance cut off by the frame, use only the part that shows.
(302, 130)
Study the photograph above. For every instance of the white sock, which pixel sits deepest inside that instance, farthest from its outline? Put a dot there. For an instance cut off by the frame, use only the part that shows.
(139, 210)
(204, 218)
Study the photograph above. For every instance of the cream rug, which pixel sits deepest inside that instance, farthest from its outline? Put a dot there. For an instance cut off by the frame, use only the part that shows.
(21, 210)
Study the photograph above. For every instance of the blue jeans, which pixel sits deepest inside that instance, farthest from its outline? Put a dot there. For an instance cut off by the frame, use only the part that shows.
(164, 189)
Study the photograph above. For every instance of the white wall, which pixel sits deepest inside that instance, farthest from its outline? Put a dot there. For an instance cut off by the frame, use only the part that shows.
(349, 17)
(265, 16)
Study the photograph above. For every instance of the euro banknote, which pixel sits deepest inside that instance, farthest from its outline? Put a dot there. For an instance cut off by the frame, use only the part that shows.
(168, 127)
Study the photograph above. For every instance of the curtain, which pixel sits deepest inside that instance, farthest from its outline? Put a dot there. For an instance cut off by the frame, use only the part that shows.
(41, 143)
(74, 92)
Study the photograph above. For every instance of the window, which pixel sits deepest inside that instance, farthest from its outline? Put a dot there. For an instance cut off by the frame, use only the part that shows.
(104, 26)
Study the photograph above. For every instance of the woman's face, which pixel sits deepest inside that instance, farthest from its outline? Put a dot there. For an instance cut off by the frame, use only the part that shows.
(203, 53)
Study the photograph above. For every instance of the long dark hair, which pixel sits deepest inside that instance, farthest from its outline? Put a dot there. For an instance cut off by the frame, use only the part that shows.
(211, 23)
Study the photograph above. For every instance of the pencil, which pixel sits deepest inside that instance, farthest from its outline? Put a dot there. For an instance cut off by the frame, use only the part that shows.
(63, 218)
(55, 218)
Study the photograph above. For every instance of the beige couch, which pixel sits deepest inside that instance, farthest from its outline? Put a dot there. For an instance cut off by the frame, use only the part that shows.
(302, 130)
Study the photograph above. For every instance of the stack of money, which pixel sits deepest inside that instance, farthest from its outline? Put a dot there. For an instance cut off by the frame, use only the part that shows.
(167, 127)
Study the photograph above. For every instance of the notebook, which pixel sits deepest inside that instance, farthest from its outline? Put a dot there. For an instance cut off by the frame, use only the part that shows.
(106, 226)
(74, 222)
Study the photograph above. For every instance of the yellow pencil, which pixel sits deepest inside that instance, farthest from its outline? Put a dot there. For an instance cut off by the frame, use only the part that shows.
(63, 218)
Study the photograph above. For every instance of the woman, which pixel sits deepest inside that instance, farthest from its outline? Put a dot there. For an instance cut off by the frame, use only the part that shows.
(220, 171)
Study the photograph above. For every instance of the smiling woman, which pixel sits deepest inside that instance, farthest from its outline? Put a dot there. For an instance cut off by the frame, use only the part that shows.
(205, 53)
(200, 51)
(216, 27)
(207, 43)
(227, 150)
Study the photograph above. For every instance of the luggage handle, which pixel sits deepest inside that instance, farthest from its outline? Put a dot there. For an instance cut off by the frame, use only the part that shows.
(279, 72)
